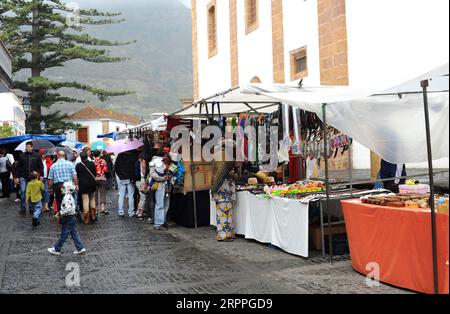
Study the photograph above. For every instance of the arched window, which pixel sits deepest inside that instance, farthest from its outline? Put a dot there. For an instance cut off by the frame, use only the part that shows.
(255, 80)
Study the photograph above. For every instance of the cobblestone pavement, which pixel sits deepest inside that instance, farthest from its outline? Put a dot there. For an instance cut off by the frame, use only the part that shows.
(128, 256)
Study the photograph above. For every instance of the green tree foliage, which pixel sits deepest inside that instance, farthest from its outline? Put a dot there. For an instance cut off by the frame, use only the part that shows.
(6, 131)
(44, 34)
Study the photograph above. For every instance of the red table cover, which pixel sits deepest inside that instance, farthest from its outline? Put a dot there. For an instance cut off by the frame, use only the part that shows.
(399, 240)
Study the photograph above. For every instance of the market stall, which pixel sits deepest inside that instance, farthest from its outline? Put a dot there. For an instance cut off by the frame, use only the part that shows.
(398, 241)
(281, 222)
(363, 115)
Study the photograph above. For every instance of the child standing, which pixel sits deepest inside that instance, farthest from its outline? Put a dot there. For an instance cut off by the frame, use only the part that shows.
(68, 220)
(34, 191)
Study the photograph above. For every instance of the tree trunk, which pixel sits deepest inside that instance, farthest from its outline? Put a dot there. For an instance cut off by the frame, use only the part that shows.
(36, 113)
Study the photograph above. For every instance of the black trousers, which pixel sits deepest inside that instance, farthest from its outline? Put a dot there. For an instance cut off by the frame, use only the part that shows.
(4, 177)
(57, 191)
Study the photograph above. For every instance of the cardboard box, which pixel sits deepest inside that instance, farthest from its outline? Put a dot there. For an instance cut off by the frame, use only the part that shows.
(203, 176)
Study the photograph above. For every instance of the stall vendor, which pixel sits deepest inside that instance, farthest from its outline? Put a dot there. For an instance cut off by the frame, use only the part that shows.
(388, 171)
(224, 194)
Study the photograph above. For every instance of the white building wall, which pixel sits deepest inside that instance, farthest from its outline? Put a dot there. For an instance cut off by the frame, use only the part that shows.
(387, 42)
(122, 126)
(12, 112)
(255, 49)
(95, 128)
(300, 22)
(215, 72)
(390, 42)
(394, 41)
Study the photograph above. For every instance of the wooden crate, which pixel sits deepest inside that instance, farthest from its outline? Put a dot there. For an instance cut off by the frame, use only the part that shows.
(316, 234)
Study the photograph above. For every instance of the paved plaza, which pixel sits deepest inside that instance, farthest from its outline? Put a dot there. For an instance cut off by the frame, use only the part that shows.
(126, 256)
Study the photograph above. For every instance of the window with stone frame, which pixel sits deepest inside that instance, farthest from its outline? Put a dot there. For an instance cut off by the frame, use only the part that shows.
(251, 16)
(299, 63)
(212, 29)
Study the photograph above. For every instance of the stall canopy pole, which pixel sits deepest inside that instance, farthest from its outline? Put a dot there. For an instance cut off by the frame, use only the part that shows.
(350, 166)
(327, 181)
(424, 84)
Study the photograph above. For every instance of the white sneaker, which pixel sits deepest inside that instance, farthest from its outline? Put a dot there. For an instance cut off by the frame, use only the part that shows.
(53, 251)
(82, 251)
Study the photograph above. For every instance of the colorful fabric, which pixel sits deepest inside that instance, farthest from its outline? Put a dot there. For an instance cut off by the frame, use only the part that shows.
(224, 198)
(225, 228)
(62, 171)
(100, 167)
(226, 192)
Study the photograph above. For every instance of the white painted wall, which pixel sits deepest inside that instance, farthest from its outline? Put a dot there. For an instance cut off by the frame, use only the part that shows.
(12, 112)
(389, 42)
(393, 41)
(215, 72)
(96, 128)
(255, 49)
(301, 29)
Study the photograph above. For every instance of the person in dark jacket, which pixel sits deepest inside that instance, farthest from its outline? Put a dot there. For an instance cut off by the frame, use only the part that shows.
(110, 172)
(394, 171)
(125, 171)
(27, 163)
(87, 187)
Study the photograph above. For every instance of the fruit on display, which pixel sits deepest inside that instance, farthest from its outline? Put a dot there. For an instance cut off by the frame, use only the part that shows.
(295, 189)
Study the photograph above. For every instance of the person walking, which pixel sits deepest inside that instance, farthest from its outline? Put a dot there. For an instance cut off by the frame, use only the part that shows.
(110, 172)
(62, 171)
(87, 187)
(35, 189)
(142, 186)
(16, 186)
(28, 162)
(5, 173)
(46, 163)
(67, 217)
(100, 170)
(124, 168)
(158, 183)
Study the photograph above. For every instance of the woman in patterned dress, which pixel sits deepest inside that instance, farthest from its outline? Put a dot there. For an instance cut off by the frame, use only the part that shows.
(225, 197)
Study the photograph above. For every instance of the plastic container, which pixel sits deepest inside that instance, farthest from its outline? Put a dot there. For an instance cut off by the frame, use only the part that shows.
(414, 189)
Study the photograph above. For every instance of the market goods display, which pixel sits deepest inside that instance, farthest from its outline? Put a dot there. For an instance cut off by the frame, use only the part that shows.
(295, 189)
(398, 200)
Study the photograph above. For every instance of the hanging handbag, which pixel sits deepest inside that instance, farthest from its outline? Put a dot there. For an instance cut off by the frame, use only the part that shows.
(96, 179)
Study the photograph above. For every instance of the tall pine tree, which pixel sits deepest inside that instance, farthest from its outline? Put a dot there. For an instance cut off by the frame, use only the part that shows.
(43, 34)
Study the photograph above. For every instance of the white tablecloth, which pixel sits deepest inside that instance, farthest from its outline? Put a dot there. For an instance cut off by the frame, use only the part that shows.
(281, 222)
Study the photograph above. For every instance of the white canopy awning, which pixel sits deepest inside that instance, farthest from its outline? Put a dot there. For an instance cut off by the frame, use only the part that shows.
(159, 124)
(231, 102)
(389, 120)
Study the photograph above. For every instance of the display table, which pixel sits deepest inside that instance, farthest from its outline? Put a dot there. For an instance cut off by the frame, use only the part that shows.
(281, 222)
(399, 240)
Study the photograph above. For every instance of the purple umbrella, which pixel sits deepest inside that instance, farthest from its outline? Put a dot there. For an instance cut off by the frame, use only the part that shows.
(123, 146)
